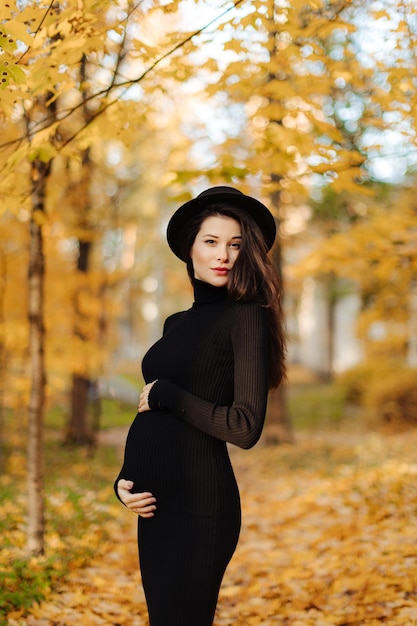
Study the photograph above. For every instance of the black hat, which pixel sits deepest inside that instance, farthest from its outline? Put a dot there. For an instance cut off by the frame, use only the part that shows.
(229, 195)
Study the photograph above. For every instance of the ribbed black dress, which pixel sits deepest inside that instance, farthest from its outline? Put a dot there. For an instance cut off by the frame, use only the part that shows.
(211, 365)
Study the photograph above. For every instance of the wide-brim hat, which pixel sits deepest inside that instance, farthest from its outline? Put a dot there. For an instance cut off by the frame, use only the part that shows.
(177, 226)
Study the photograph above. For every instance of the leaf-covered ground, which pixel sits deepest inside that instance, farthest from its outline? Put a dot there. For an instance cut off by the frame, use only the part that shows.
(329, 537)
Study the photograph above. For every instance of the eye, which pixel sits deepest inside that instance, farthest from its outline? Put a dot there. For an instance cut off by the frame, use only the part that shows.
(209, 241)
(235, 245)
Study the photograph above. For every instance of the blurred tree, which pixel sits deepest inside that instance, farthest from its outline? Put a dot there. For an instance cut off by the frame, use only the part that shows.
(384, 129)
(316, 96)
(92, 62)
(286, 72)
(40, 172)
(45, 52)
(291, 74)
(381, 250)
(13, 324)
(78, 430)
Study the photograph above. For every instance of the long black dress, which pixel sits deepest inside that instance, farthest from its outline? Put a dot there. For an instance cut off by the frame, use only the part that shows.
(211, 365)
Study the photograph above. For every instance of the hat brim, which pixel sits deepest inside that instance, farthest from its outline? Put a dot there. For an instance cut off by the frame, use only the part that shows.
(178, 223)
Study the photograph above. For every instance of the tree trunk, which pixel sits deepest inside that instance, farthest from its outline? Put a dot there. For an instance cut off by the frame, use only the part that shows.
(412, 327)
(330, 330)
(332, 292)
(79, 431)
(278, 424)
(36, 277)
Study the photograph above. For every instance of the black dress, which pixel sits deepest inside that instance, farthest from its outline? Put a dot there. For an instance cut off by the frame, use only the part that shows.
(211, 370)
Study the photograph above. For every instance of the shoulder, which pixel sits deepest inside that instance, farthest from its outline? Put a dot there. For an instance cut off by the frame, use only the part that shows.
(250, 329)
(250, 314)
(172, 320)
(249, 308)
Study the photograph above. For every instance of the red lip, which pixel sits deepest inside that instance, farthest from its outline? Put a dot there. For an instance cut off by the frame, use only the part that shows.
(220, 270)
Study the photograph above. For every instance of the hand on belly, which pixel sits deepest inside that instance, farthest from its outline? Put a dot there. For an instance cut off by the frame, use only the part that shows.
(144, 503)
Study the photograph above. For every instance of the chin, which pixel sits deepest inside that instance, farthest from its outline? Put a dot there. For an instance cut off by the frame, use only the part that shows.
(220, 281)
(213, 280)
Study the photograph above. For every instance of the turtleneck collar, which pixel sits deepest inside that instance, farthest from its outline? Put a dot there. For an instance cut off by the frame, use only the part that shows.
(204, 292)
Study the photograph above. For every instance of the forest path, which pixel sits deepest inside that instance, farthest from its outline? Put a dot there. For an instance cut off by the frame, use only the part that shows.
(328, 539)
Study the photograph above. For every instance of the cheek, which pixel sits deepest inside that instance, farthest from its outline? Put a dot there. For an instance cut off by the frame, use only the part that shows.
(195, 262)
(198, 255)
(193, 257)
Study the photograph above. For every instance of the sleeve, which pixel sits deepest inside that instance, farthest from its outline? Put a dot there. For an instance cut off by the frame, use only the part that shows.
(241, 423)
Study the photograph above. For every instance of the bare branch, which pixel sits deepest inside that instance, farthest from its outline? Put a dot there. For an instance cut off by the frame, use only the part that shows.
(37, 30)
(44, 124)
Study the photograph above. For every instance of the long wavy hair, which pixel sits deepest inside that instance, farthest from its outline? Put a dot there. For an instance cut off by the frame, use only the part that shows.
(253, 278)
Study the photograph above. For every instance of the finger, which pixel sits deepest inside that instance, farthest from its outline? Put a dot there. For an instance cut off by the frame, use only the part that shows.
(143, 398)
(136, 499)
(124, 484)
(142, 402)
(139, 504)
(147, 511)
(144, 509)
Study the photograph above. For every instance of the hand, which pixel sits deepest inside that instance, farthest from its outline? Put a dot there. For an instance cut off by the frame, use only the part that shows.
(141, 503)
(143, 398)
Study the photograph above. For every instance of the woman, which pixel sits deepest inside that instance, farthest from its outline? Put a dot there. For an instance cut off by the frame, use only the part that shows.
(207, 383)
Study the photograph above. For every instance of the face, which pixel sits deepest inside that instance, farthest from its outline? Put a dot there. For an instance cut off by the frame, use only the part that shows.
(215, 249)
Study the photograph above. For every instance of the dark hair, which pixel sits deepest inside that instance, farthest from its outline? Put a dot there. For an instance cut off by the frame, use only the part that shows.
(253, 278)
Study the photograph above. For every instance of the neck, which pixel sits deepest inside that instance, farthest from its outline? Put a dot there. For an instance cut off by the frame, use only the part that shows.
(204, 292)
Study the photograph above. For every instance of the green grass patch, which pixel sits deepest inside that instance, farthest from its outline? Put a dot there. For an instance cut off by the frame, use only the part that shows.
(316, 405)
(113, 413)
(79, 499)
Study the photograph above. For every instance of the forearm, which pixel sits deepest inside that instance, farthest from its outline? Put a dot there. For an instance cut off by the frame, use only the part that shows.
(240, 424)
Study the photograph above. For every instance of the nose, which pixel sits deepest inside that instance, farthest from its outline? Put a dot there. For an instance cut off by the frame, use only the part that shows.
(223, 254)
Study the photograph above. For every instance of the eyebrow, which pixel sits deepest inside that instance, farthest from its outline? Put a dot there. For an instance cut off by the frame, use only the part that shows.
(216, 236)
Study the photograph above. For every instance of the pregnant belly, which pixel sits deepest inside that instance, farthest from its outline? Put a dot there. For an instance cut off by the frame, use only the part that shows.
(182, 466)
